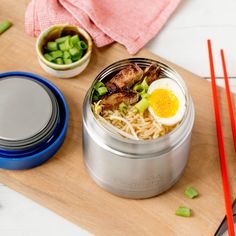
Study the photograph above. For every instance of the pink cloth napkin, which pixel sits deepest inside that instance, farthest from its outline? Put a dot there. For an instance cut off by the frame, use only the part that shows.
(129, 22)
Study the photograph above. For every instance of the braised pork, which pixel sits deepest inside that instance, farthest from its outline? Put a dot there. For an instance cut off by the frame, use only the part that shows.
(125, 79)
(113, 100)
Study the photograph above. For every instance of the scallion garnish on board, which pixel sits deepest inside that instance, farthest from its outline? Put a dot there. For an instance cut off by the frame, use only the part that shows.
(183, 211)
(5, 26)
(191, 192)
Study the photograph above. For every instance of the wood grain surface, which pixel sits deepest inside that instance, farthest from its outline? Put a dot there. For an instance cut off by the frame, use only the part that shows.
(62, 183)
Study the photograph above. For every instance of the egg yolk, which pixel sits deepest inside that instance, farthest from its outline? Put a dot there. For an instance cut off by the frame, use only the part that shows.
(164, 103)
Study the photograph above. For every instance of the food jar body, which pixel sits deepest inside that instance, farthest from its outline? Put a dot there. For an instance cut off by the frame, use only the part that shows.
(130, 177)
(131, 168)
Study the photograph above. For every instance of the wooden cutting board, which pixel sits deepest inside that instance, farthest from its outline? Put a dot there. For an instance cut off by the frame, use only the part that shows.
(62, 183)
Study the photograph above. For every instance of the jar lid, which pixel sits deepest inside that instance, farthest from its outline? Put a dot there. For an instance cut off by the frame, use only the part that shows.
(40, 137)
(25, 108)
(46, 141)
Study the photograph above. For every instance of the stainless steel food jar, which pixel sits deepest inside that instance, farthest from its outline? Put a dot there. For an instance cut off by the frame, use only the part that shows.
(131, 168)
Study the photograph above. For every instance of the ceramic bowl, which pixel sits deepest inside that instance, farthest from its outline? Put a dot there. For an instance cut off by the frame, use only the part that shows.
(68, 70)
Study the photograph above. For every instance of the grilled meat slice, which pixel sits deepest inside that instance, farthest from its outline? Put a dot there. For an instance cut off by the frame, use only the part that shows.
(152, 72)
(113, 100)
(111, 87)
(126, 78)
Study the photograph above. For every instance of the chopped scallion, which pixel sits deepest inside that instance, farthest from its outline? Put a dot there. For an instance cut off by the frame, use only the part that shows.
(59, 61)
(52, 46)
(145, 95)
(82, 45)
(142, 105)
(145, 84)
(62, 47)
(62, 39)
(5, 26)
(74, 51)
(66, 55)
(99, 84)
(139, 89)
(66, 48)
(74, 39)
(96, 97)
(78, 56)
(191, 192)
(68, 44)
(56, 54)
(48, 57)
(183, 211)
(102, 91)
(67, 61)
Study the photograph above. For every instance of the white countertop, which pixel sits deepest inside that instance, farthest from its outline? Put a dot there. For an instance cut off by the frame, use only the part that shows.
(182, 41)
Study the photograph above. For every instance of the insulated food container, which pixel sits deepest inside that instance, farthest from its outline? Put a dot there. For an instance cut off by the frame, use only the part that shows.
(33, 120)
(131, 168)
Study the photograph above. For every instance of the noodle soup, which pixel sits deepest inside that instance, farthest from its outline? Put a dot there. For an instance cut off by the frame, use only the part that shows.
(138, 103)
(137, 129)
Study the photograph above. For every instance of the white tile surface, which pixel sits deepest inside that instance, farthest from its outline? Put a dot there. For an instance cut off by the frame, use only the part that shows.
(182, 41)
(20, 216)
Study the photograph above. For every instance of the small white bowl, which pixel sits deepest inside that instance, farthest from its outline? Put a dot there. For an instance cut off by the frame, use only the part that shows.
(68, 70)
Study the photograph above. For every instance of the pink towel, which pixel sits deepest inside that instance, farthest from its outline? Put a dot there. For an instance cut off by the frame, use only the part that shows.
(129, 22)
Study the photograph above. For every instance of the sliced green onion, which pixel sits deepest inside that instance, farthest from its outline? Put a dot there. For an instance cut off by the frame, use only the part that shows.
(56, 54)
(96, 96)
(62, 47)
(67, 61)
(74, 51)
(52, 46)
(102, 91)
(142, 105)
(62, 39)
(145, 95)
(82, 45)
(122, 106)
(75, 58)
(74, 39)
(66, 55)
(183, 211)
(59, 61)
(145, 84)
(191, 192)
(68, 44)
(5, 26)
(99, 84)
(48, 57)
(78, 56)
(66, 47)
(139, 89)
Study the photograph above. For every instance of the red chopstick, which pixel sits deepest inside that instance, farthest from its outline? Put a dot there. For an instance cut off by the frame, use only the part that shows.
(229, 97)
(224, 172)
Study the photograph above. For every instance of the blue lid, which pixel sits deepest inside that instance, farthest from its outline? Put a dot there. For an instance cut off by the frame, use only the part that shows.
(23, 159)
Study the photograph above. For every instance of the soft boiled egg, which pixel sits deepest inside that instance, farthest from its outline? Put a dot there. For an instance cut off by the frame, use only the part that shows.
(167, 102)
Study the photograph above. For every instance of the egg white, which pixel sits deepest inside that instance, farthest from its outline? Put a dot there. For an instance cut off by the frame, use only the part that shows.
(169, 84)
